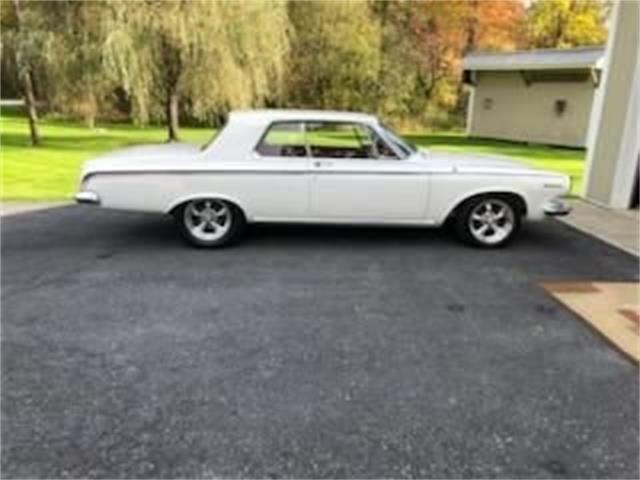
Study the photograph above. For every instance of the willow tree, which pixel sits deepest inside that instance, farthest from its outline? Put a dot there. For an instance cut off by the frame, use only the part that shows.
(204, 56)
(23, 38)
(74, 58)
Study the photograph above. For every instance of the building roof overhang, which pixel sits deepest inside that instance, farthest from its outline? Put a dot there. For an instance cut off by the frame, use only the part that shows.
(548, 59)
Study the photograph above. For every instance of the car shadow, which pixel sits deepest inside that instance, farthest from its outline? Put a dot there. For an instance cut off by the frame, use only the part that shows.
(149, 230)
(264, 234)
(162, 231)
(80, 227)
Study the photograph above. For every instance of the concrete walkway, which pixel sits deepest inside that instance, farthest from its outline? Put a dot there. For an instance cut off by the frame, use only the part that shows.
(15, 207)
(620, 228)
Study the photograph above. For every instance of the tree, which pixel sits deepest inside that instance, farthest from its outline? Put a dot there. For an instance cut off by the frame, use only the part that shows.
(566, 23)
(78, 83)
(175, 60)
(334, 60)
(207, 57)
(422, 44)
(397, 75)
(21, 36)
(493, 24)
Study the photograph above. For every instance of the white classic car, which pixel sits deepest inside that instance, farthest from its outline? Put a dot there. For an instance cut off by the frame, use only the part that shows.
(320, 167)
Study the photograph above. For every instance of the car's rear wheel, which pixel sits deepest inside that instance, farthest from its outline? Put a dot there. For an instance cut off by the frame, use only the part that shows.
(209, 222)
(488, 221)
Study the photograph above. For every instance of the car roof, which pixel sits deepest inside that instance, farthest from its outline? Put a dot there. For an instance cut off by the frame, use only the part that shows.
(274, 115)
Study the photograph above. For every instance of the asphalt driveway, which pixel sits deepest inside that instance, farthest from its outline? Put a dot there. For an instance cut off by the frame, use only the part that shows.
(304, 352)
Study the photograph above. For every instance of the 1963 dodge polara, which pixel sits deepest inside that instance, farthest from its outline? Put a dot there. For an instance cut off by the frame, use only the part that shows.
(320, 167)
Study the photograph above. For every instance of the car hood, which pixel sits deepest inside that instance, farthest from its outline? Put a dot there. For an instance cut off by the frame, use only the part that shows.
(148, 157)
(474, 163)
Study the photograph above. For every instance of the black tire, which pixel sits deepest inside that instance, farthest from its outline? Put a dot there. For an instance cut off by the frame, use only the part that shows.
(468, 229)
(214, 234)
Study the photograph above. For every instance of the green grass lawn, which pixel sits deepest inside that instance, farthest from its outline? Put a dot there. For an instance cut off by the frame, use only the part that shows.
(51, 171)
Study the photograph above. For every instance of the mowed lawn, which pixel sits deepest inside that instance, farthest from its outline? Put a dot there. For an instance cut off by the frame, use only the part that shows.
(51, 171)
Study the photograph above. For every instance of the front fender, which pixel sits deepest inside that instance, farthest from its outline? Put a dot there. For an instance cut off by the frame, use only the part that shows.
(444, 203)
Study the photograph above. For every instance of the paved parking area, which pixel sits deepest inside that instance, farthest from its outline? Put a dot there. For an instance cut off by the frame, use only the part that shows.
(17, 207)
(304, 352)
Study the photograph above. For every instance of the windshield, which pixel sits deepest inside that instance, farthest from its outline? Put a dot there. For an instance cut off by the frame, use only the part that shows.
(405, 147)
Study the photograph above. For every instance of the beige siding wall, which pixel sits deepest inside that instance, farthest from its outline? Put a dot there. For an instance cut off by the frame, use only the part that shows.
(526, 113)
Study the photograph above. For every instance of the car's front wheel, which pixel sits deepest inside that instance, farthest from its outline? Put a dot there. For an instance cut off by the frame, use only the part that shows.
(488, 221)
(209, 222)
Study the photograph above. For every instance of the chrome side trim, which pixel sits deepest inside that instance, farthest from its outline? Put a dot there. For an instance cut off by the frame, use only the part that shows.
(314, 171)
(87, 197)
(317, 171)
(190, 172)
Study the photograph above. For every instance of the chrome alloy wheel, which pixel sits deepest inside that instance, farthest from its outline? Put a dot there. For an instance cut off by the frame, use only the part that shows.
(207, 220)
(491, 221)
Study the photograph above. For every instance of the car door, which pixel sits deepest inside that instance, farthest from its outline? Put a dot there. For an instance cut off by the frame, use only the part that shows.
(279, 190)
(356, 175)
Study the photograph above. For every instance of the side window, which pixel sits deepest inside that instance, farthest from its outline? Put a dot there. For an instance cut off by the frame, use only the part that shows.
(345, 140)
(283, 139)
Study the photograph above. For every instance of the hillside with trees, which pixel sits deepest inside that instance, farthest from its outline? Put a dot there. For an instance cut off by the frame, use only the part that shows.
(191, 62)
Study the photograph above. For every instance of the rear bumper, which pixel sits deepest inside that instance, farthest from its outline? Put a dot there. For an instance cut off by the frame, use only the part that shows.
(87, 197)
(556, 208)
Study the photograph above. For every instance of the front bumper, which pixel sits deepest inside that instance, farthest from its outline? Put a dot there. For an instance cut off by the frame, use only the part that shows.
(556, 208)
(88, 197)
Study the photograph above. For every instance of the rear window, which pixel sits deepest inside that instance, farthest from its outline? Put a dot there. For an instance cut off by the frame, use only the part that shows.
(283, 139)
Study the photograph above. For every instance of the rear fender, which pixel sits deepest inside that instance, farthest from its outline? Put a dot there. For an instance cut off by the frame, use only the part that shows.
(195, 196)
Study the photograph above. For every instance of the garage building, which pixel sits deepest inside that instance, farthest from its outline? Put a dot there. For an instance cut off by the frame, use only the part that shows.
(537, 96)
